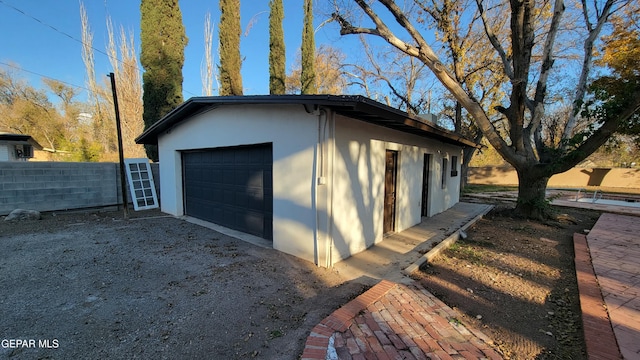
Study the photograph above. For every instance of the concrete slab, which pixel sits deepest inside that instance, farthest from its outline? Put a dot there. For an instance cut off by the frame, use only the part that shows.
(251, 239)
(388, 259)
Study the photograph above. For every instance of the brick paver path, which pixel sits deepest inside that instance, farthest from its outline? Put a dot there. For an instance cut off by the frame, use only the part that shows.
(395, 321)
(614, 244)
(598, 334)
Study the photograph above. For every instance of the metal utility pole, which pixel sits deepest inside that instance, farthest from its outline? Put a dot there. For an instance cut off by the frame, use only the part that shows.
(123, 181)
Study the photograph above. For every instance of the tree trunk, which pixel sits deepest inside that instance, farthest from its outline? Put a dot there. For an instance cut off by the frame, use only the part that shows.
(467, 154)
(532, 188)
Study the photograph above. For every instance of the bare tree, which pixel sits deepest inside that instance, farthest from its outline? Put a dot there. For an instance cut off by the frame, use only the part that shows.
(26, 110)
(527, 52)
(412, 84)
(384, 71)
(100, 117)
(124, 61)
(121, 51)
(87, 54)
(206, 69)
(328, 62)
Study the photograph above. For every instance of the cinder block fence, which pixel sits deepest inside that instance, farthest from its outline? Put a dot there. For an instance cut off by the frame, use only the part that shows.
(50, 186)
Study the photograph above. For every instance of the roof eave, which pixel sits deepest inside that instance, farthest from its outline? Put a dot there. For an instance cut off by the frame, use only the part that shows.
(355, 106)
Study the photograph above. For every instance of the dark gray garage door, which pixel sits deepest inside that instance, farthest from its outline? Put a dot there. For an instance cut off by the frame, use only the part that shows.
(231, 186)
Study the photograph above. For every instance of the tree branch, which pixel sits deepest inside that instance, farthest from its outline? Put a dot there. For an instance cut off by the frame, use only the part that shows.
(426, 54)
(506, 63)
(586, 64)
(537, 107)
(599, 137)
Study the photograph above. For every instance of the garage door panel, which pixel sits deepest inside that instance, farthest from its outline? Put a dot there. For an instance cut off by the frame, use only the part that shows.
(255, 180)
(242, 200)
(231, 187)
(252, 220)
(255, 200)
(268, 179)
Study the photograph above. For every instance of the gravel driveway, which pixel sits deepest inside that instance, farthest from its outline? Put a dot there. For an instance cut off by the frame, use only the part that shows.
(91, 285)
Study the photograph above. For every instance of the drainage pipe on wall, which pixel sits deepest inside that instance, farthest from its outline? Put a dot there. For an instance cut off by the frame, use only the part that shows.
(319, 181)
(324, 181)
(331, 157)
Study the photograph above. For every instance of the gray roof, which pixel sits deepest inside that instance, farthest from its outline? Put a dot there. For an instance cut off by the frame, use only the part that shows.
(20, 139)
(353, 106)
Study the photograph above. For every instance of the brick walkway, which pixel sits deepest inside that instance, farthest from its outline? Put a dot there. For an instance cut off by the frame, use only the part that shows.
(614, 246)
(395, 321)
(598, 334)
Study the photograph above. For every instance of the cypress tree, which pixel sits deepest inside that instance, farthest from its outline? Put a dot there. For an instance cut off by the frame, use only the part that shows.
(277, 58)
(230, 61)
(162, 42)
(308, 74)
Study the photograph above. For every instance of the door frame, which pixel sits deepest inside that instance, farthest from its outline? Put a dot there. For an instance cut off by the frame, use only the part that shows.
(426, 174)
(390, 190)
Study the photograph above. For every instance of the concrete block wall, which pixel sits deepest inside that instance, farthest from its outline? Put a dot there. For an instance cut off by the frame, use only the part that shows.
(49, 186)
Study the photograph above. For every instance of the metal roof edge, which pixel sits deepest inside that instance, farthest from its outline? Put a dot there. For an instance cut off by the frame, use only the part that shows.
(20, 139)
(354, 103)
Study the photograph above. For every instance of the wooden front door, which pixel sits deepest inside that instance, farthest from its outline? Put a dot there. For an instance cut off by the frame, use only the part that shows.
(390, 175)
(425, 184)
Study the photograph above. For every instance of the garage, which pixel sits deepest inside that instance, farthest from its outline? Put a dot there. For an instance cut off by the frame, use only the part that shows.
(305, 172)
(231, 186)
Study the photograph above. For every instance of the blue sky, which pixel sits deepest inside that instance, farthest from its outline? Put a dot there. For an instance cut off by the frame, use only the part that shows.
(35, 47)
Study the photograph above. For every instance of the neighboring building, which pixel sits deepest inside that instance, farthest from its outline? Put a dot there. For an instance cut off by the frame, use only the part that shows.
(17, 147)
(324, 177)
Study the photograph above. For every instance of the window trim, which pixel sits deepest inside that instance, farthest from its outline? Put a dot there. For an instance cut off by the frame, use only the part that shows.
(454, 166)
(445, 166)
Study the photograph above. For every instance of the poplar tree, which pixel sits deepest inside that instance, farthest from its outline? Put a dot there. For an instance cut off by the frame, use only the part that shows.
(230, 61)
(277, 73)
(163, 40)
(308, 75)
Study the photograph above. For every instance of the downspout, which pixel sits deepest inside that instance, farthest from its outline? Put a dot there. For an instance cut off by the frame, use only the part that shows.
(318, 181)
(332, 147)
(324, 188)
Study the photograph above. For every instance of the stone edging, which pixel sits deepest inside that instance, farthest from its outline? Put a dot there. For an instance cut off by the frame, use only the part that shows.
(444, 244)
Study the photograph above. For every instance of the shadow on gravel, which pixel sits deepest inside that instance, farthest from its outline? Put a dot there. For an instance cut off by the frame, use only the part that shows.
(515, 280)
(154, 287)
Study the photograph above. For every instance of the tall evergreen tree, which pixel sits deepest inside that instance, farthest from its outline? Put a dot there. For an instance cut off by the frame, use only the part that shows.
(230, 61)
(163, 40)
(277, 73)
(308, 75)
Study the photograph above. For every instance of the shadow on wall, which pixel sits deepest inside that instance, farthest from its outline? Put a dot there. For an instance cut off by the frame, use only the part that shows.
(356, 187)
(575, 178)
(596, 176)
(493, 175)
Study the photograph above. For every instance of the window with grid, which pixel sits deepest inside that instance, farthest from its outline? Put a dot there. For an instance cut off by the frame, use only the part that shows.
(141, 186)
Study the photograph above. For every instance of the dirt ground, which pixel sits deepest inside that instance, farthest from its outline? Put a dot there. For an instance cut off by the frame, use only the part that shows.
(515, 280)
(91, 285)
(94, 286)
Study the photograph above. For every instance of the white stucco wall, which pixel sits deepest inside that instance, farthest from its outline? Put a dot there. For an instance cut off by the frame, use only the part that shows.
(359, 167)
(293, 133)
(320, 221)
